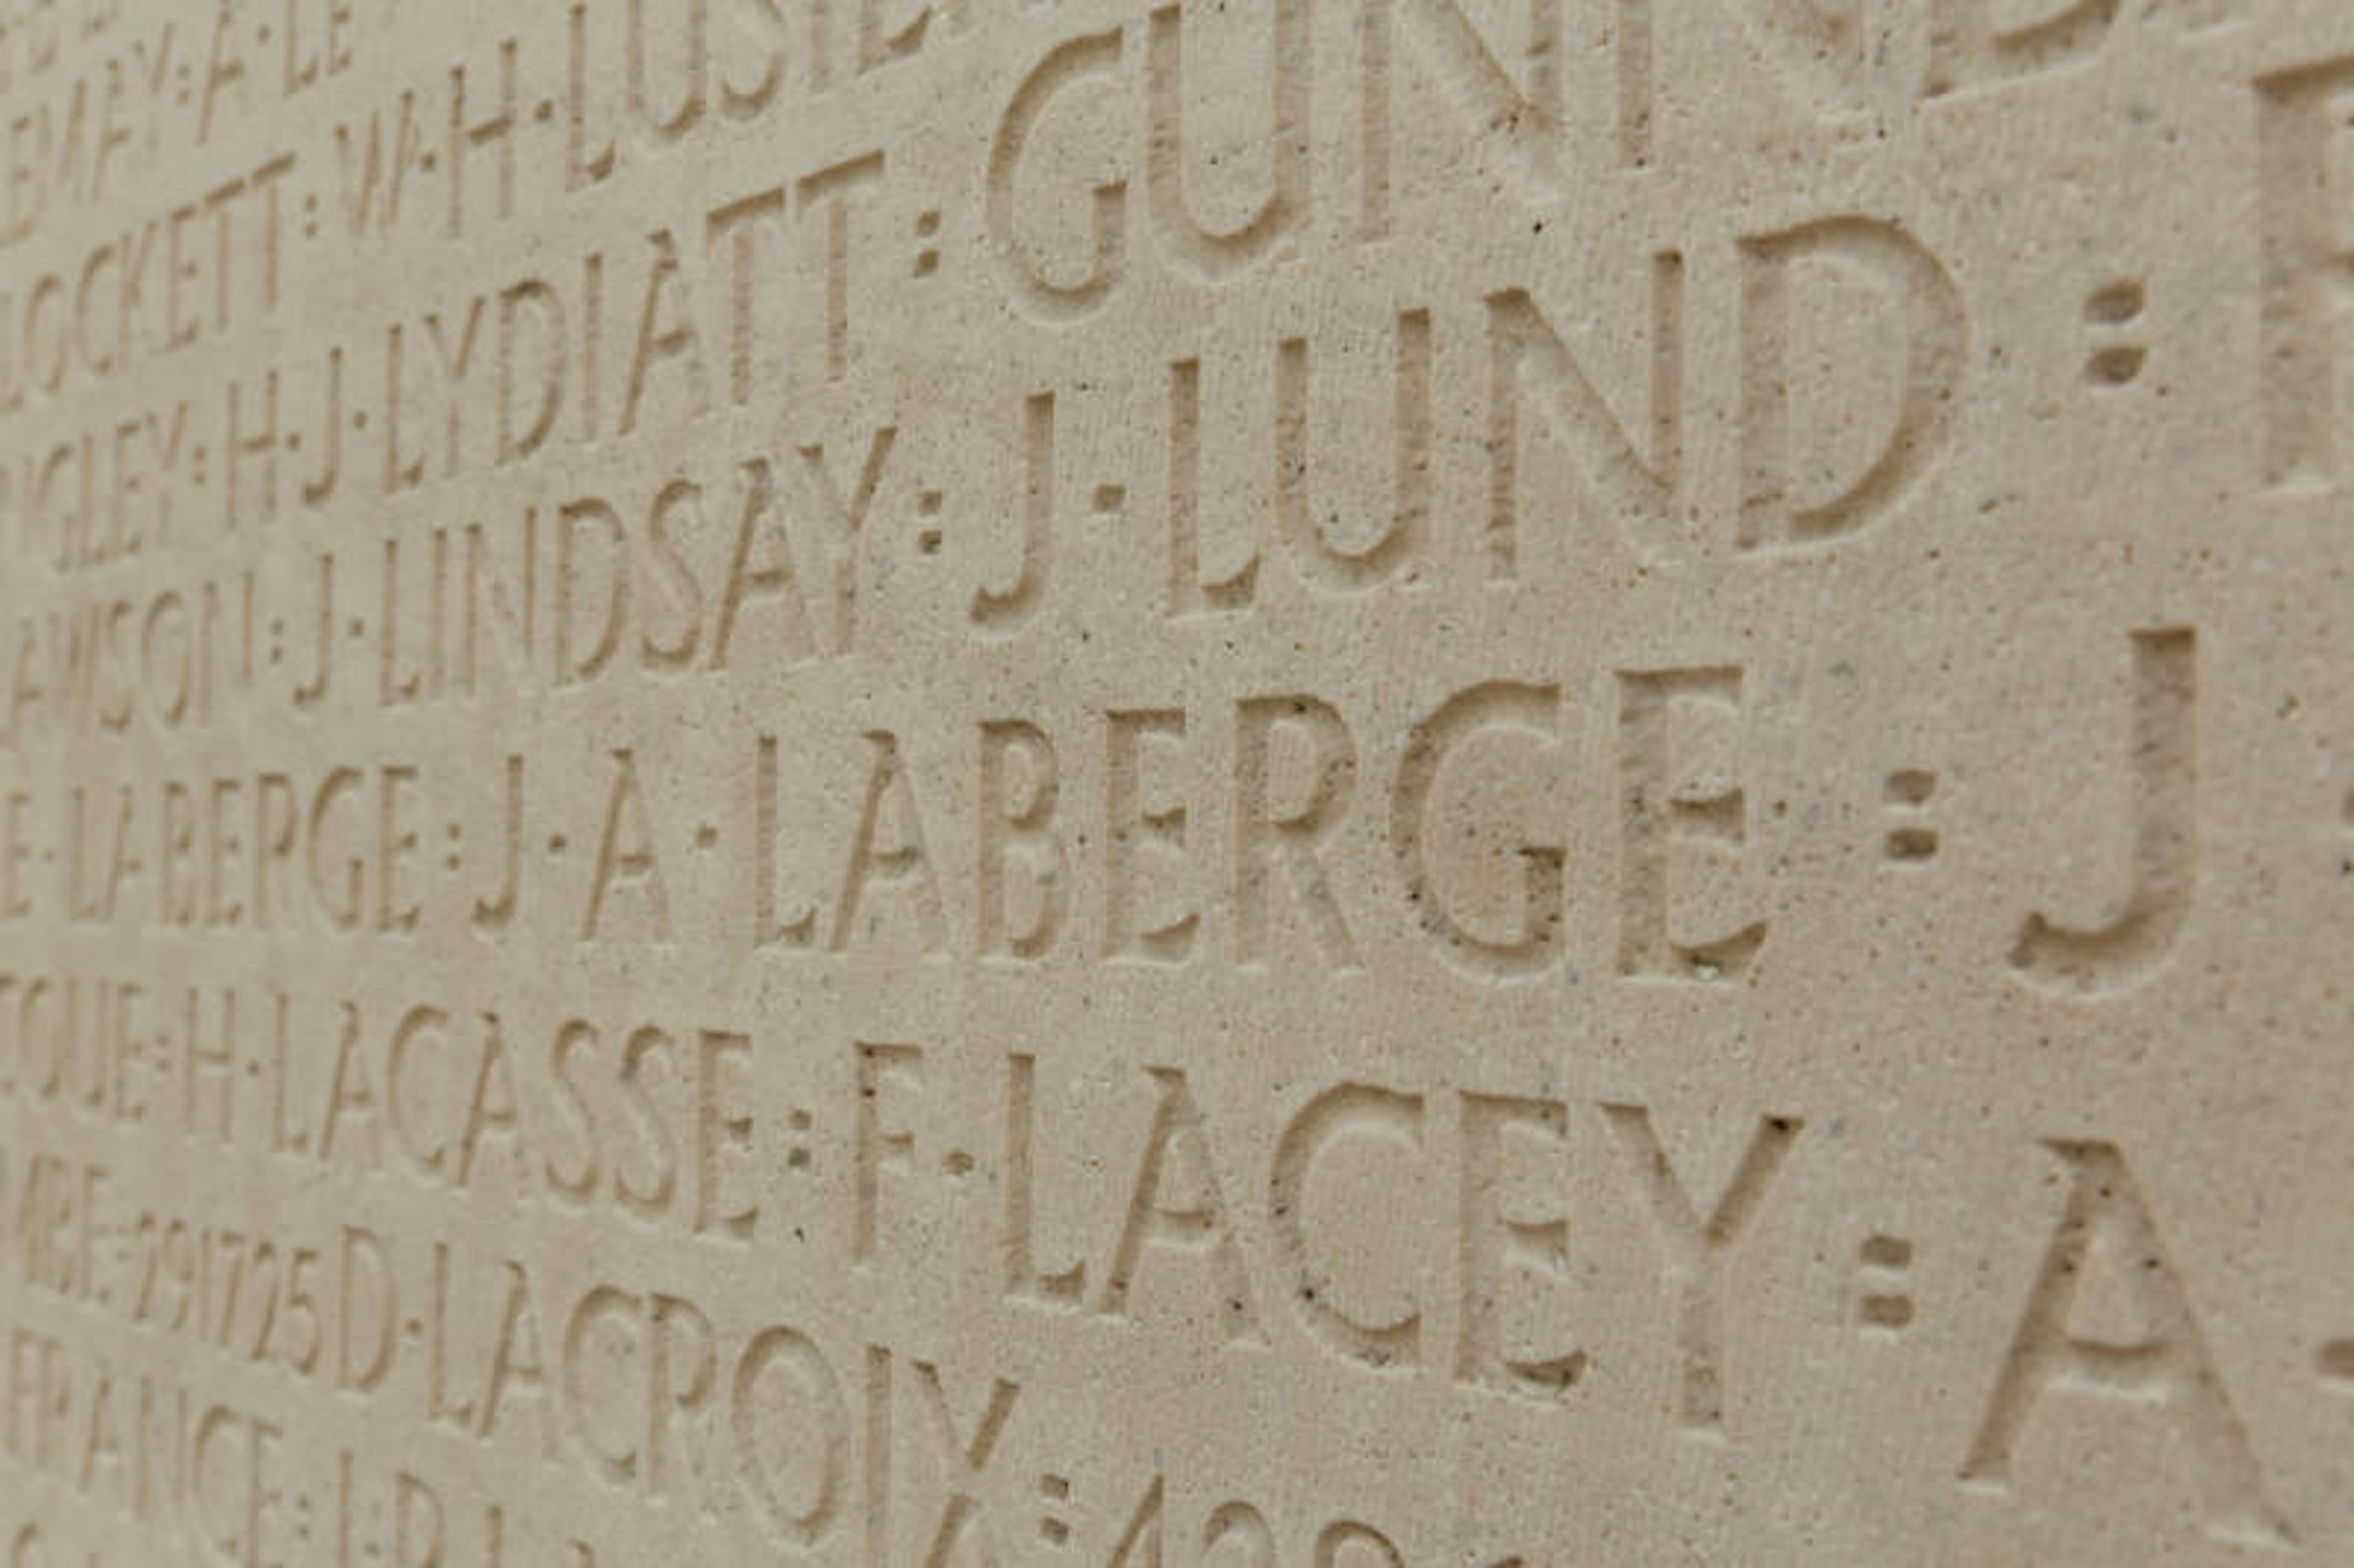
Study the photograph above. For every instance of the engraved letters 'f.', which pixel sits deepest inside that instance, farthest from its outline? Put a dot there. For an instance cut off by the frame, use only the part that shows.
(2129, 949)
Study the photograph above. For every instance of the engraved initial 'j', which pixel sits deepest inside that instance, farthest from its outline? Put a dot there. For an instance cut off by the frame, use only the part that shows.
(2165, 765)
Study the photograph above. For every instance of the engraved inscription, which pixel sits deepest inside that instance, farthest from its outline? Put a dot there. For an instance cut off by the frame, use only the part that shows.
(1352, 783)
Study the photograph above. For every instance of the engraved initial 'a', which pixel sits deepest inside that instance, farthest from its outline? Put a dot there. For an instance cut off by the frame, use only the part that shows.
(2165, 775)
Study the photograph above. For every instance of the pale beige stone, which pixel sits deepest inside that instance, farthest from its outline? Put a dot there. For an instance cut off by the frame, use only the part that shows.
(1343, 783)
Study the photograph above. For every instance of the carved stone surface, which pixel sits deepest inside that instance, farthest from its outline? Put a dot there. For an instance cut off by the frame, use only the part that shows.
(1339, 783)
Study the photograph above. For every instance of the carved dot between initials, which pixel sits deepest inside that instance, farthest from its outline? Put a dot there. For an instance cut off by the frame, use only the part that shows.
(1886, 1252)
(1888, 1312)
(1907, 792)
(1913, 844)
(2116, 303)
(2115, 367)
(1051, 1528)
(2106, 311)
(1883, 1259)
(2334, 1362)
(1910, 787)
